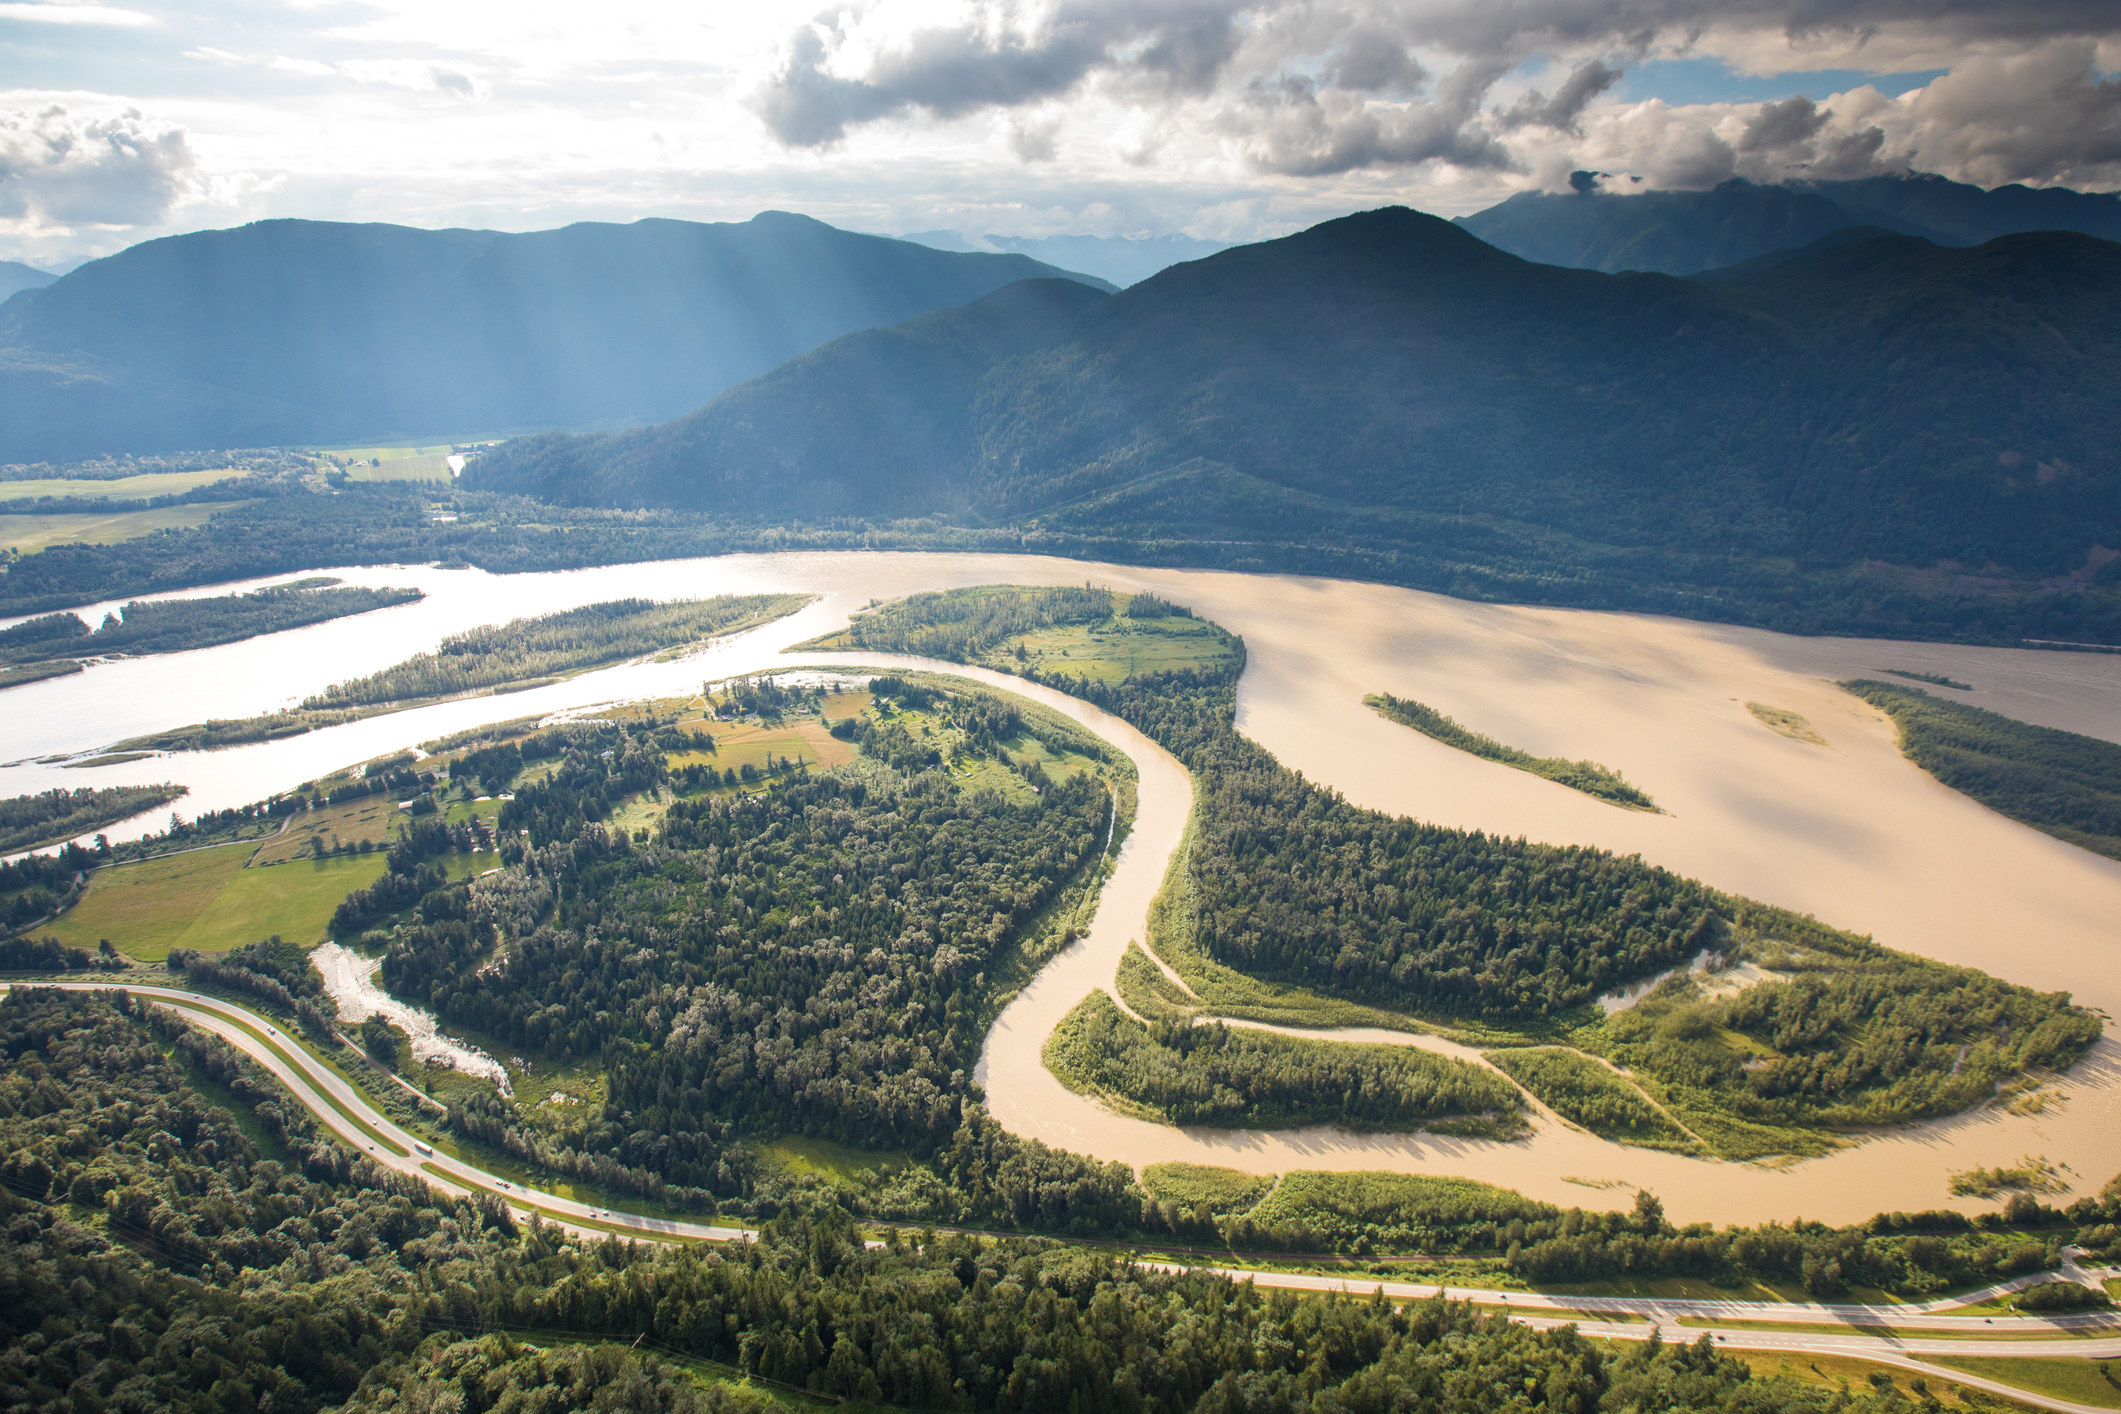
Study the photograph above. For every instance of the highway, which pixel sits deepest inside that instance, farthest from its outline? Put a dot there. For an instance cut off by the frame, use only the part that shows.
(1890, 1335)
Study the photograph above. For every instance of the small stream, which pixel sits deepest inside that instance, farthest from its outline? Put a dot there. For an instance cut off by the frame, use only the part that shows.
(350, 979)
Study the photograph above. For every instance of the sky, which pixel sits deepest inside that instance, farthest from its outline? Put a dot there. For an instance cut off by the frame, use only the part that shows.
(122, 120)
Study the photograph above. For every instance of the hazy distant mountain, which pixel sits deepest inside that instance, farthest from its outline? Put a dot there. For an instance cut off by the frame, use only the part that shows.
(1389, 380)
(1601, 226)
(14, 275)
(1972, 215)
(1123, 260)
(1676, 232)
(306, 331)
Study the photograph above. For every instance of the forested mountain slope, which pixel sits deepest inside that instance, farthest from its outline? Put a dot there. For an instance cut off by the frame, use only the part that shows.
(1389, 384)
(294, 331)
(1602, 226)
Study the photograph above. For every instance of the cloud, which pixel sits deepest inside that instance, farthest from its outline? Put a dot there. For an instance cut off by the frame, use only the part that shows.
(60, 169)
(1034, 140)
(1314, 88)
(999, 56)
(104, 15)
(1565, 108)
(416, 76)
(2043, 116)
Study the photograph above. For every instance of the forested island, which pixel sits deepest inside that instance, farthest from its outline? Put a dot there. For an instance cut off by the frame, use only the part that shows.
(33, 821)
(1502, 941)
(522, 653)
(2060, 782)
(1600, 782)
(54, 643)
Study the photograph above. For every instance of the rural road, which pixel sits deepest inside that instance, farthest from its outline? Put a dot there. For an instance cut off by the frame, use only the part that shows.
(1894, 1341)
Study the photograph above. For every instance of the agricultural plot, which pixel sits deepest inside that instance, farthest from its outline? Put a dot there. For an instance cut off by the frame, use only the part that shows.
(209, 900)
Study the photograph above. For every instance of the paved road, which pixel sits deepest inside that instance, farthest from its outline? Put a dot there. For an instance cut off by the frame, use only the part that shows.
(1890, 1341)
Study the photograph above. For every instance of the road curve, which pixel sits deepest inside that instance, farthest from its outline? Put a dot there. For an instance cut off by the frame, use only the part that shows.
(343, 1110)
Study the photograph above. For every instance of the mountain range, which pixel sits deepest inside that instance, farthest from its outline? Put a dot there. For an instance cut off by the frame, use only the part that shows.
(1597, 226)
(317, 332)
(14, 275)
(1123, 260)
(1389, 380)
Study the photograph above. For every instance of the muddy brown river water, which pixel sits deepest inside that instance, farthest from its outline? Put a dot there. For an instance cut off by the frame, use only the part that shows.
(1848, 831)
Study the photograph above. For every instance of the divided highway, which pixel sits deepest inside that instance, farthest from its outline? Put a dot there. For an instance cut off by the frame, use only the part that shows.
(1897, 1335)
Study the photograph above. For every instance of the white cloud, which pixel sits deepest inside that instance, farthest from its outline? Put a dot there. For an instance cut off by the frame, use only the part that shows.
(61, 169)
(104, 15)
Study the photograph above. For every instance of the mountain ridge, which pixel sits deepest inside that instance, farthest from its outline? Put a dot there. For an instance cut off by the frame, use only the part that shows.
(1597, 227)
(300, 331)
(1390, 379)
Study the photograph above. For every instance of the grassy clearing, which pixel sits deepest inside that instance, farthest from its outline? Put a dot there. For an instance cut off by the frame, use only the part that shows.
(293, 900)
(1206, 1188)
(805, 1157)
(422, 467)
(1592, 779)
(206, 899)
(29, 534)
(1841, 1372)
(125, 488)
(1084, 633)
(1783, 722)
(2057, 1376)
(373, 818)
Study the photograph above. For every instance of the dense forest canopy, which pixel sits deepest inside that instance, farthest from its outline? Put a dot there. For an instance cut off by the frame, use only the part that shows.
(179, 1236)
(1286, 881)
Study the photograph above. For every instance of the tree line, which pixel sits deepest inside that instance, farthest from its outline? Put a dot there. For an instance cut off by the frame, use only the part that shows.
(161, 1255)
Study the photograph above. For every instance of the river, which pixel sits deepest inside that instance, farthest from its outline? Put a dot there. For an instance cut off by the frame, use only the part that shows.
(1848, 831)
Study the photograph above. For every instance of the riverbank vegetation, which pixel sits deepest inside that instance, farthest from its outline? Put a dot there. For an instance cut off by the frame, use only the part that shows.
(815, 952)
(48, 817)
(1082, 632)
(2056, 781)
(1496, 939)
(180, 625)
(1239, 1078)
(180, 1235)
(1599, 782)
(1581, 1089)
(493, 658)
(556, 645)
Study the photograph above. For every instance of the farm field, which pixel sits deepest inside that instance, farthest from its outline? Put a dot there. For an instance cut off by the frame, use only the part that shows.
(209, 900)
(125, 488)
(372, 818)
(29, 534)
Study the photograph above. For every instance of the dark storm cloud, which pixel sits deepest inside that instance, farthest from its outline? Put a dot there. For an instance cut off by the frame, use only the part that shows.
(1180, 46)
(1314, 87)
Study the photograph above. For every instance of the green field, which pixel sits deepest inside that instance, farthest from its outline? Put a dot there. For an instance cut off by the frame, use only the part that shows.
(206, 899)
(1205, 1187)
(2059, 1376)
(29, 534)
(408, 468)
(125, 488)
